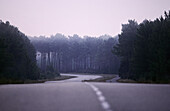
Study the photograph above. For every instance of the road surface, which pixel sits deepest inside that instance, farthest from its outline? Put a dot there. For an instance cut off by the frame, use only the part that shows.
(114, 80)
(82, 96)
(79, 78)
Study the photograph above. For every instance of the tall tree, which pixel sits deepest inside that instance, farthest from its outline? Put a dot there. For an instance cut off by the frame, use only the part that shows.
(145, 50)
(76, 54)
(17, 55)
(125, 48)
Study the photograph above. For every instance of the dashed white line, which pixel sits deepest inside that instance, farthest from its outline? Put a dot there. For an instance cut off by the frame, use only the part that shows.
(105, 105)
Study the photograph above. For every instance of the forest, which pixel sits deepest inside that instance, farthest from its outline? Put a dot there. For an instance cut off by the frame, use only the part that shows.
(76, 54)
(17, 55)
(141, 52)
(144, 50)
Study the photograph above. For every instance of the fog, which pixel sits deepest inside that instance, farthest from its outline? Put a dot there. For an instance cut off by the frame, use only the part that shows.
(82, 17)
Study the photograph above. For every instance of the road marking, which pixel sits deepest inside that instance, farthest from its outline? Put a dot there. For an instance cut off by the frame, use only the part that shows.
(105, 105)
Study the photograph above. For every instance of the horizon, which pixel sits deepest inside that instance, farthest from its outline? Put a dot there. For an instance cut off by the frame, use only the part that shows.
(67, 36)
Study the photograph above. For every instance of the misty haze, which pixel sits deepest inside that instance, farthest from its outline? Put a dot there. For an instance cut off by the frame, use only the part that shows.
(84, 55)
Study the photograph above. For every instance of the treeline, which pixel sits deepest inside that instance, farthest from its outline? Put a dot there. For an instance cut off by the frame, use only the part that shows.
(17, 55)
(76, 54)
(144, 50)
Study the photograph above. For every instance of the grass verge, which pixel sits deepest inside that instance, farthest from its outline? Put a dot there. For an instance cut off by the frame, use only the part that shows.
(62, 77)
(126, 81)
(5, 81)
(145, 82)
(104, 78)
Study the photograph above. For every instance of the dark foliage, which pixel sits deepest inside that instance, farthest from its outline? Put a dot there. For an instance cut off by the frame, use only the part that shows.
(17, 55)
(76, 54)
(145, 50)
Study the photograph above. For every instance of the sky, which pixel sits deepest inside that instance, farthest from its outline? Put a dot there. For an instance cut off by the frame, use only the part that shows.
(82, 17)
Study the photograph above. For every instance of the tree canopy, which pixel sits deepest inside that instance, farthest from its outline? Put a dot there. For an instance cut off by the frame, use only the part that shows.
(144, 50)
(17, 55)
(76, 54)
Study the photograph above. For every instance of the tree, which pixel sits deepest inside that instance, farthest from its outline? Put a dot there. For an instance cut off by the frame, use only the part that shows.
(151, 58)
(145, 51)
(125, 48)
(76, 54)
(17, 55)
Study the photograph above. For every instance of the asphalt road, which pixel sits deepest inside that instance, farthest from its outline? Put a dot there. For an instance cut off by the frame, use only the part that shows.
(79, 96)
(79, 78)
(114, 80)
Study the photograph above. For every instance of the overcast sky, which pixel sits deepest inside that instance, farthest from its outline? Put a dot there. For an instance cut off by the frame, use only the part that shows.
(82, 17)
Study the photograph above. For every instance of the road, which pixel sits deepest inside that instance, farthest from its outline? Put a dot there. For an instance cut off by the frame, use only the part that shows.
(79, 78)
(82, 96)
(114, 80)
